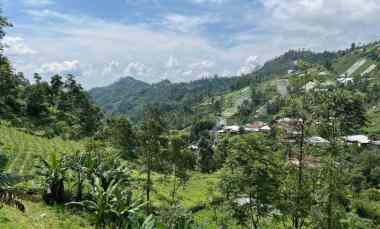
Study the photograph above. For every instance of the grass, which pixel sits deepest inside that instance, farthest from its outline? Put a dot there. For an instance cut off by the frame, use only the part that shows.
(233, 100)
(22, 148)
(195, 192)
(346, 62)
(41, 216)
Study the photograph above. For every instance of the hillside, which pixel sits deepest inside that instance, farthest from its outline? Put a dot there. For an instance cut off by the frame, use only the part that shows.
(129, 96)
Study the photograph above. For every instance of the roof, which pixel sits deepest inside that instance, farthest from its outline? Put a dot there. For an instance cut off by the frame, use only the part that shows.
(264, 128)
(362, 139)
(316, 140)
(233, 128)
(377, 143)
(255, 125)
(345, 80)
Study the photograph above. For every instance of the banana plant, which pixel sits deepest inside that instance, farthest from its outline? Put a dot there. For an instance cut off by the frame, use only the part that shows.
(9, 195)
(112, 207)
(52, 170)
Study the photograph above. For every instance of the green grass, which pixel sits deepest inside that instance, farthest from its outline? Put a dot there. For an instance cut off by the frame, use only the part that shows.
(195, 192)
(22, 148)
(41, 216)
(345, 62)
(233, 100)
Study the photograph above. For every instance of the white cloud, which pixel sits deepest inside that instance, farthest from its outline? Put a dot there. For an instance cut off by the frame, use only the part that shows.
(204, 64)
(250, 65)
(59, 67)
(174, 45)
(16, 46)
(137, 69)
(185, 24)
(172, 62)
(38, 3)
(111, 67)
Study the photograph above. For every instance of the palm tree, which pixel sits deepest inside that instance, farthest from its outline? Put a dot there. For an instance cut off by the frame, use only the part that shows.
(53, 171)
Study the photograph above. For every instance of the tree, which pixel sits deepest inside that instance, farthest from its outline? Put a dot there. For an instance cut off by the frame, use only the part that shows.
(78, 163)
(152, 142)
(253, 186)
(339, 112)
(206, 160)
(180, 161)
(120, 133)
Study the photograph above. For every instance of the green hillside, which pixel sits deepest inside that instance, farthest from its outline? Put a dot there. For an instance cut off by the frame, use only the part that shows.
(22, 149)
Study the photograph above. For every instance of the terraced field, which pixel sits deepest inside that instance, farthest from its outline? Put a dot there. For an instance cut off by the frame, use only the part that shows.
(22, 149)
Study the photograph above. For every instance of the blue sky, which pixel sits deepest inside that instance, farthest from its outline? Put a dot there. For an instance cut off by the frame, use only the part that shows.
(180, 40)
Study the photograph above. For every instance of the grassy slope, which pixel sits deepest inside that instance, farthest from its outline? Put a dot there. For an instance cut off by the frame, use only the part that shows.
(38, 216)
(233, 100)
(22, 149)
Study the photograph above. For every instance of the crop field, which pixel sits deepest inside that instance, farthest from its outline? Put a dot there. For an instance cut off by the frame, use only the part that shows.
(22, 148)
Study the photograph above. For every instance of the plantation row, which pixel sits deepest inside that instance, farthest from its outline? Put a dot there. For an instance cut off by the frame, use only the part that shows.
(22, 149)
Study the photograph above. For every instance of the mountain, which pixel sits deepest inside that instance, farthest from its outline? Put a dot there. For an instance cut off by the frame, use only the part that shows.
(129, 96)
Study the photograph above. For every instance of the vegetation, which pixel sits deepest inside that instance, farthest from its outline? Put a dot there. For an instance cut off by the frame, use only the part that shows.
(168, 165)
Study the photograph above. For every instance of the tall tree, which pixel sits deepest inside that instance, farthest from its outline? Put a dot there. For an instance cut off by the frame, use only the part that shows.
(151, 145)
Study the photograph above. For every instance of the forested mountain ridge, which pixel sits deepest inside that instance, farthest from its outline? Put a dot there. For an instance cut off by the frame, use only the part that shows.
(128, 96)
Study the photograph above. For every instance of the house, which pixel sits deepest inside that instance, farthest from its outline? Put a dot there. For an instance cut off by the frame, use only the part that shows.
(358, 139)
(254, 127)
(265, 128)
(290, 71)
(345, 81)
(375, 143)
(232, 129)
(316, 140)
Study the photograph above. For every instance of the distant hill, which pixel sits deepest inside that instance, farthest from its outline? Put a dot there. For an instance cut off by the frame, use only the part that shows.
(129, 96)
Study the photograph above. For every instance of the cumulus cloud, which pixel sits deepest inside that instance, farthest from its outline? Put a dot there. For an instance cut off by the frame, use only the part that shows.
(59, 67)
(251, 64)
(185, 44)
(17, 46)
(136, 69)
(185, 23)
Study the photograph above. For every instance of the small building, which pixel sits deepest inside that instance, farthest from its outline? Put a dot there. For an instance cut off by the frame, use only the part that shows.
(254, 127)
(265, 128)
(357, 139)
(316, 140)
(232, 129)
(375, 143)
(345, 81)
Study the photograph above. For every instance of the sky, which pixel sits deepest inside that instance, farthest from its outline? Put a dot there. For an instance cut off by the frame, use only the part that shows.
(100, 41)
